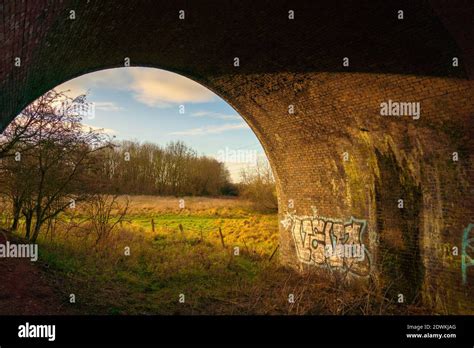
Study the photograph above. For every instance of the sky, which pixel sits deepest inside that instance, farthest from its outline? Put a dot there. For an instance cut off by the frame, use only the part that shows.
(153, 105)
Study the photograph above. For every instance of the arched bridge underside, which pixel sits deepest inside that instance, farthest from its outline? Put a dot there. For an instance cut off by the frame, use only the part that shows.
(347, 173)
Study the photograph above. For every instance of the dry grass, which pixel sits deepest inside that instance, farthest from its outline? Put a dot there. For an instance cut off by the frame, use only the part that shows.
(195, 205)
(191, 260)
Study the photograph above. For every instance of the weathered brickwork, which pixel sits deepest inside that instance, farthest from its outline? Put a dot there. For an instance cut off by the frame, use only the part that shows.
(335, 157)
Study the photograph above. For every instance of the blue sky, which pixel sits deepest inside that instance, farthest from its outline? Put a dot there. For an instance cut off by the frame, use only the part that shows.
(144, 104)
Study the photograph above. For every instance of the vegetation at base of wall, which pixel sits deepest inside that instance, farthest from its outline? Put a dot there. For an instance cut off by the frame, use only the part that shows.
(195, 261)
(258, 186)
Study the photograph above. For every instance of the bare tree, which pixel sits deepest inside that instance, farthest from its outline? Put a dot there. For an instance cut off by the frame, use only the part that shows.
(258, 185)
(57, 161)
(23, 127)
(105, 214)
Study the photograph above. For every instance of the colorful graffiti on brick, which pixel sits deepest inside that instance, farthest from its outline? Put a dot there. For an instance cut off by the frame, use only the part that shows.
(330, 243)
(467, 247)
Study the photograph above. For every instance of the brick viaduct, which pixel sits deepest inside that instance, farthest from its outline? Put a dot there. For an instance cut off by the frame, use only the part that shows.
(318, 120)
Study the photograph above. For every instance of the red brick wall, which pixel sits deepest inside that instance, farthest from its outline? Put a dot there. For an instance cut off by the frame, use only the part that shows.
(337, 109)
(390, 158)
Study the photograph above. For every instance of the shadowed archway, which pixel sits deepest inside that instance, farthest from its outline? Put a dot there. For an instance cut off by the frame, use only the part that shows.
(318, 120)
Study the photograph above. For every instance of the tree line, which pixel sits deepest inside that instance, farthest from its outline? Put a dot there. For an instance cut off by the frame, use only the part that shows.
(176, 169)
(49, 161)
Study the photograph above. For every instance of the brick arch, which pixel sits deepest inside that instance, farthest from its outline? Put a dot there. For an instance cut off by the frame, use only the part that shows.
(215, 88)
(337, 109)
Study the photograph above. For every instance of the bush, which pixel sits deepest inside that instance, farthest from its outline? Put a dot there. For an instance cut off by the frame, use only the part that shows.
(258, 186)
(230, 189)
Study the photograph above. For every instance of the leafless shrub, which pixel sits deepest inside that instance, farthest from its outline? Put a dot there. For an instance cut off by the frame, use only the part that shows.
(258, 186)
(105, 213)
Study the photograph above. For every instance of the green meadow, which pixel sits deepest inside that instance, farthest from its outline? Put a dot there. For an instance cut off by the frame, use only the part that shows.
(165, 260)
(214, 256)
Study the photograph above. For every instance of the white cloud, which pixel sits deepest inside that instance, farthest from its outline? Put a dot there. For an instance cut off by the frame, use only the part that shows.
(107, 106)
(212, 129)
(109, 131)
(216, 115)
(73, 87)
(110, 78)
(152, 87)
(159, 88)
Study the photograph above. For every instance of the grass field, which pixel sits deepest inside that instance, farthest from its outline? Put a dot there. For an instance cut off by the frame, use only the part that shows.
(184, 254)
(163, 259)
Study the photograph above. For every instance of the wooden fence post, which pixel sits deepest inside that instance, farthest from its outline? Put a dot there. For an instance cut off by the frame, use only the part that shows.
(222, 237)
(181, 228)
(274, 251)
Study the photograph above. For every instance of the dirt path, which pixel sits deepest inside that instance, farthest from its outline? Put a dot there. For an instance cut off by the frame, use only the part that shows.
(24, 289)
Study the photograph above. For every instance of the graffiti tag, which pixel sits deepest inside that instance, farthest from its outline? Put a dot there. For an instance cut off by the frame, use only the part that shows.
(331, 243)
(466, 259)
